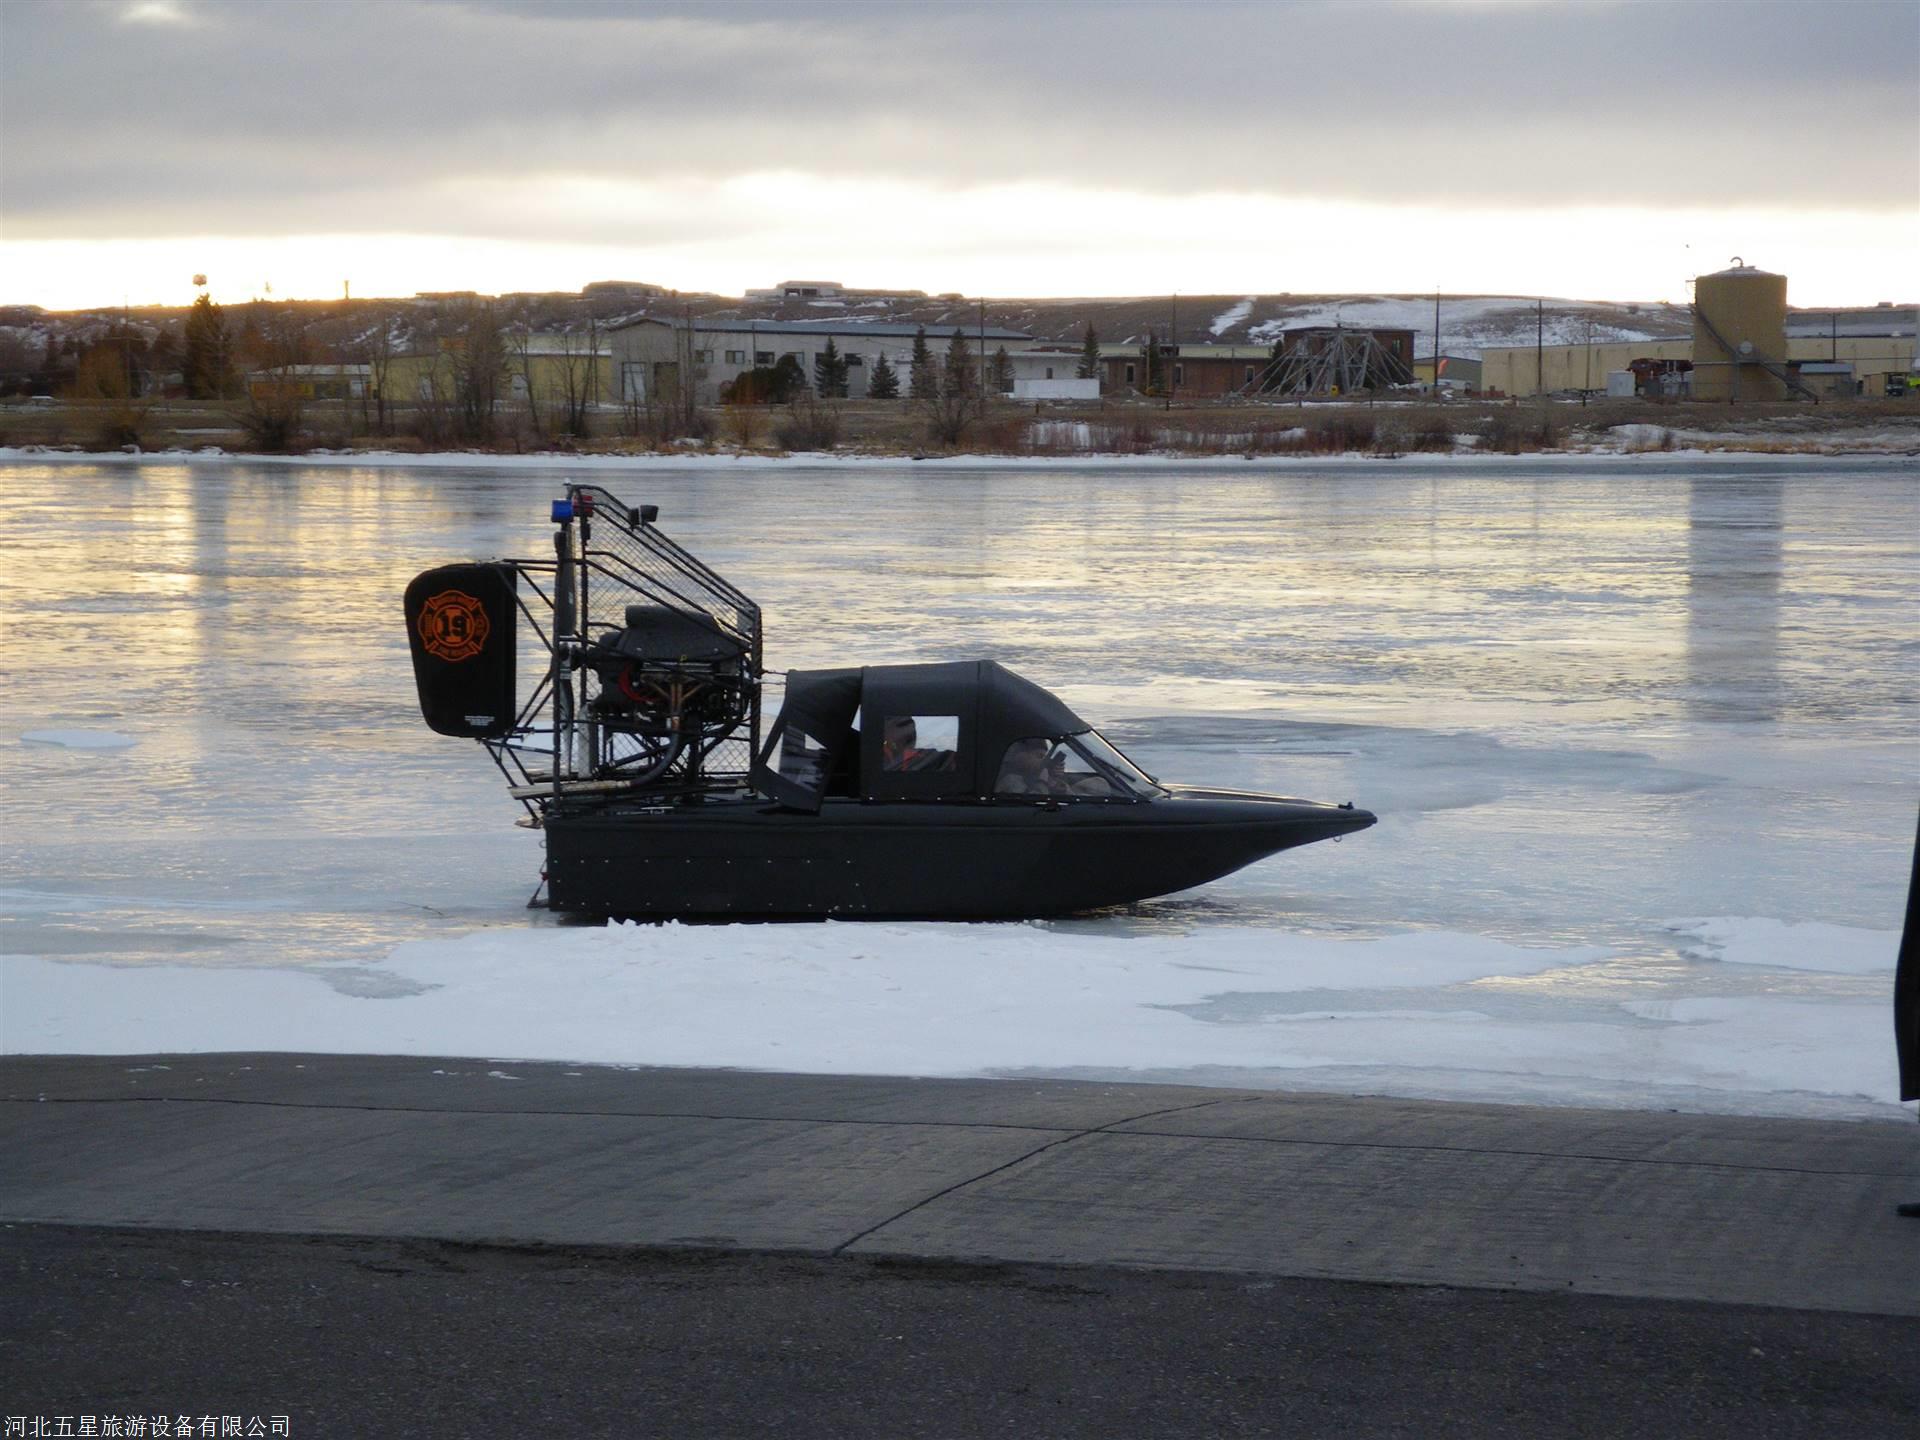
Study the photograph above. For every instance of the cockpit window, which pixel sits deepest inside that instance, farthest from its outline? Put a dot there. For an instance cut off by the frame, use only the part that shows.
(1070, 766)
(920, 744)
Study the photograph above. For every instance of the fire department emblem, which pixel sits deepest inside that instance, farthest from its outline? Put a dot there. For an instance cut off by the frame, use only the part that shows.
(453, 626)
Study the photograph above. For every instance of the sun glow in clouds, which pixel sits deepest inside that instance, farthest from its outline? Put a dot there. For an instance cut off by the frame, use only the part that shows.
(157, 12)
(1007, 240)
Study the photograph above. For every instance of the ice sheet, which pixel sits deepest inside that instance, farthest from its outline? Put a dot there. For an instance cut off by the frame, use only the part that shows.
(1584, 696)
(1807, 945)
(956, 1000)
(80, 739)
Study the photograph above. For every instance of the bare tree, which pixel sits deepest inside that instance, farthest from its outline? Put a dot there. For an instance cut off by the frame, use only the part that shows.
(523, 353)
(377, 347)
(478, 360)
(686, 390)
(276, 393)
(577, 379)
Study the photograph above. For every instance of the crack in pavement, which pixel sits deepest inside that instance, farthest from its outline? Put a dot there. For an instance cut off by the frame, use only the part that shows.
(1070, 1132)
(1018, 1160)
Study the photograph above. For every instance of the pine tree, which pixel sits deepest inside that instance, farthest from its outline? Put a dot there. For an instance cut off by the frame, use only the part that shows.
(1089, 368)
(1155, 382)
(207, 360)
(924, 383)
(957, 378)
(1002, 372)
(830, 372)
(789, 381)
(883, 383)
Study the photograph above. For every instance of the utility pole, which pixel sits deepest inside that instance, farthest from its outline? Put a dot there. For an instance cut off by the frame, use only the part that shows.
(1540, 349)
(982, 403)
(1173, 345)
(1436, 341)
(684, 401)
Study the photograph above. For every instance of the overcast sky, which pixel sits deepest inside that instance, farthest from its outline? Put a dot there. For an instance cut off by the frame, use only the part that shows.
(1605, 149)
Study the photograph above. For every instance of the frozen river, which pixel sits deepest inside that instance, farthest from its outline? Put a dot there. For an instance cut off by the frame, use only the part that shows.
(1643, 736)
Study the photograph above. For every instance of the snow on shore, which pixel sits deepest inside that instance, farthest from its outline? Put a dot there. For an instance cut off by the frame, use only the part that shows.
(1416, 1014)
(1632, 447)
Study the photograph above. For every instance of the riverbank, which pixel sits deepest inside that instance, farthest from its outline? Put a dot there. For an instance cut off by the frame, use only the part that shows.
(1387, 429)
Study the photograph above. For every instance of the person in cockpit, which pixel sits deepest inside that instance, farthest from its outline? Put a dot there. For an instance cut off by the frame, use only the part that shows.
(1033, 766)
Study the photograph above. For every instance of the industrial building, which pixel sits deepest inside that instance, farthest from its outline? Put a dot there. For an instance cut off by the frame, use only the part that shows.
(1455, 372)
(1525, 370)
(650, 353)
(1531, 369)
(549, 370)
(1195, 372)
(1052, 374)
(310, 382)
(1746, 345)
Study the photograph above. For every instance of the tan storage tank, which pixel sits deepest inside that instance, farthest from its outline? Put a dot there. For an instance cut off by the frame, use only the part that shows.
(1739, 334)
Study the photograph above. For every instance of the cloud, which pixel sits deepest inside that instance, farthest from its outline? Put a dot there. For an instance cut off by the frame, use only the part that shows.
(447, 117)
(158, 12)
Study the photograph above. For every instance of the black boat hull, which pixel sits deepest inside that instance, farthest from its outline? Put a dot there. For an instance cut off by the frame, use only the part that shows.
(731, 858)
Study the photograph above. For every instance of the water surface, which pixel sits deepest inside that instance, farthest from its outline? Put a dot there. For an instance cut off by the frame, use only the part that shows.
(1585, 698)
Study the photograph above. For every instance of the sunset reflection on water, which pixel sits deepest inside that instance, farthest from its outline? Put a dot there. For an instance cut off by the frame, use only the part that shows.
(1584, 697)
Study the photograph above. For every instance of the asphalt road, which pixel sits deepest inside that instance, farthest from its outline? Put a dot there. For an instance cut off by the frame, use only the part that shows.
(389, 1338)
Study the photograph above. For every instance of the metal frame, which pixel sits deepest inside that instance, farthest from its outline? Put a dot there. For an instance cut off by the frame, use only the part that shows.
(1352, 361)
(565, 750)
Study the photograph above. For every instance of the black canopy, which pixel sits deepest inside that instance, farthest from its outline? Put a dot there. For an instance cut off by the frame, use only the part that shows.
(992, 705)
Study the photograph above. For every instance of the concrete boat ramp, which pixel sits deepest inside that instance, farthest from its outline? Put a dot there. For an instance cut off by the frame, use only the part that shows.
(1610, 1202)
(1541, 1222)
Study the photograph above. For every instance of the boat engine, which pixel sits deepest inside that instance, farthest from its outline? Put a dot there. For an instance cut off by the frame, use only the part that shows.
(662, 705)
(664, 681)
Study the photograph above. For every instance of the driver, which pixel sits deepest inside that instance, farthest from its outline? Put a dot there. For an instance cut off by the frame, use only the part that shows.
(1025, 770)
(1034, 767)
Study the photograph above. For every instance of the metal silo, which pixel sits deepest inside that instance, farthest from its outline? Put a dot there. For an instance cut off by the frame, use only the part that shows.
(1740, 335)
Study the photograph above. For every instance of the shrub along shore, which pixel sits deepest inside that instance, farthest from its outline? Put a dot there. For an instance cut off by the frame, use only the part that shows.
(1132, 426)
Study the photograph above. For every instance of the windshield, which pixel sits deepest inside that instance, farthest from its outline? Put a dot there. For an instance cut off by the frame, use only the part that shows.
(1104, 753)
(1080, 766)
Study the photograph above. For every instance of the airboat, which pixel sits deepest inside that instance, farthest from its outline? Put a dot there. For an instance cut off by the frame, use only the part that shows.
(943, 791)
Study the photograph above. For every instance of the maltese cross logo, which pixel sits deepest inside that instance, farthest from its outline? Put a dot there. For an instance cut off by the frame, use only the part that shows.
(453, 626)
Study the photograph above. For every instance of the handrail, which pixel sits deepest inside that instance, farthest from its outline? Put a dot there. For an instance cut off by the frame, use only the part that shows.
(1773, 368)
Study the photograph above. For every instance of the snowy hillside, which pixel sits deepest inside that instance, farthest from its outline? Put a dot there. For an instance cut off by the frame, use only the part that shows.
(1469, 324)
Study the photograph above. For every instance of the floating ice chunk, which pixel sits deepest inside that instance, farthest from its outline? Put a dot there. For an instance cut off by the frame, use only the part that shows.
(80, 739)
(1769, 1045)
(1806, 945)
